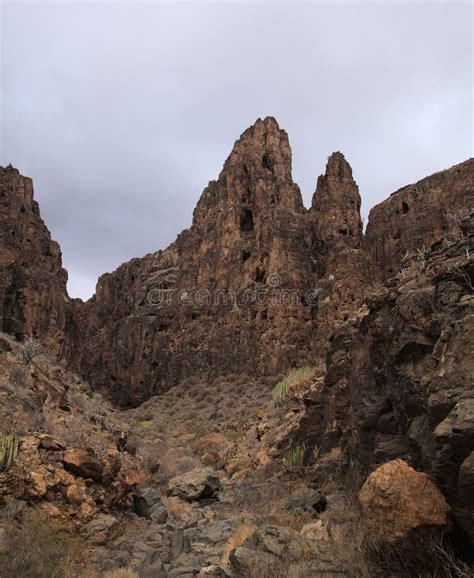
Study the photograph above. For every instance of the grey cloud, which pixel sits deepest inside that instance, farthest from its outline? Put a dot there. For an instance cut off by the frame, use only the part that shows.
(122, 112)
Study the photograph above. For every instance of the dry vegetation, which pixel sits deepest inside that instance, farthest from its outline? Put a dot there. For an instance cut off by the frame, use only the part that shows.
(39, 548)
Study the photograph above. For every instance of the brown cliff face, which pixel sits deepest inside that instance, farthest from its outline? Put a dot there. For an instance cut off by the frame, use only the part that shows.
(33, 296)
(227, 298)
(399, 381)
(257, 285)
(419, 216)
(254, 287)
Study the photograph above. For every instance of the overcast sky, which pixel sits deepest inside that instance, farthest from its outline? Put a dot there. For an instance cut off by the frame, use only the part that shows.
(122, 112)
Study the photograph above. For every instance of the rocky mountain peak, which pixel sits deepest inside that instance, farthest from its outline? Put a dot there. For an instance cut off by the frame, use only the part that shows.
(336, 204)
(256, 178)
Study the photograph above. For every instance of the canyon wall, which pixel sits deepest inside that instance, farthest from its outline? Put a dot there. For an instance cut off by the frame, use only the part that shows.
(252, 288)
(33, 296)
(255, 286)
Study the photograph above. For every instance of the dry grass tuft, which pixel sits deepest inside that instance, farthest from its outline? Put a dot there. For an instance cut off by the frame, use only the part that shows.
(241, 533)
(177, 508)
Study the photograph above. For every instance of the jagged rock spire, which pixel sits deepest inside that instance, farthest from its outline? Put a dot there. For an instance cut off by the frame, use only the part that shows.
(256, 177)
(336, 204)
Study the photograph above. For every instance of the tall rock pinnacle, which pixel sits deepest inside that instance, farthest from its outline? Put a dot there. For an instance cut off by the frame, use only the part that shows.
(336, 204)
(256, 177)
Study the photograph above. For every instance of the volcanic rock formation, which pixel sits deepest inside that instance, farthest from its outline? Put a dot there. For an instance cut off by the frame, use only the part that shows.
(256, 275)
(33, 295)
(254, 287)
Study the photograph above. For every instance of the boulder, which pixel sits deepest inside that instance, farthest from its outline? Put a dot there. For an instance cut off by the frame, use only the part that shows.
(37, 486)
(98, 530)
(82, 462)
(47, 442)
(212, 571)
(148, 504)
(214, 449)
(395, 500)
(273, 550)
(466, 494)
(307, 499)
(197, 484)
(152, 566)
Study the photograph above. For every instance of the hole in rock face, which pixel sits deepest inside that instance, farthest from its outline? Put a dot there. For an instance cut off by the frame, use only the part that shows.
(405, 208)
(343, 232)
(321, 505)
(246, 220)
(245, 255)
(259, 275)
(266, 161)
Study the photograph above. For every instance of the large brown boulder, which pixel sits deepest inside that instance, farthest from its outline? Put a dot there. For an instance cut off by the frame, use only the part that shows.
(82, 462)
(395, 500)
(195, 485)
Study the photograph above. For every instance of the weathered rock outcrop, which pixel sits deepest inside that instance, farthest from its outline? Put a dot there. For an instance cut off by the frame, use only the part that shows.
(399, 381)
(33, 295)
(420, 216)
(256, 275)
(257, 285)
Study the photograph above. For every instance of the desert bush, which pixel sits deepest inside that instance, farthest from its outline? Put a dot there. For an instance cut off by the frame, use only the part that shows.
(177, 508)
(151, 455)
(238, 537)
(174, 462)
(31, 348)
(74, 431)
(18, 377)
(293, 377)
(39, 548)
(425, 552)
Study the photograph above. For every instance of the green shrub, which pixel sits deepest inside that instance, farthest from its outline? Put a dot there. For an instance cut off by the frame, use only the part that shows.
(294, 376)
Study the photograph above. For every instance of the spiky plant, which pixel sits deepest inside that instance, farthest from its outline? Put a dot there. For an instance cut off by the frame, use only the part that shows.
(8, 451)
(294, 458)
(294, 376)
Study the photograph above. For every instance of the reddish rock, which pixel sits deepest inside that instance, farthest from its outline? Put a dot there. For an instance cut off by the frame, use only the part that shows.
(255, 275)
(81, 462)
(395, 500)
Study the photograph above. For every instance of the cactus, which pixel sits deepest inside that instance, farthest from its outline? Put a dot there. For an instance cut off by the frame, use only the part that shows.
(8, 451)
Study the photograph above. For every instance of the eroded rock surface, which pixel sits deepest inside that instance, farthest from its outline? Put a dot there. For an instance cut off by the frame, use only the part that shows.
(33, 296)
